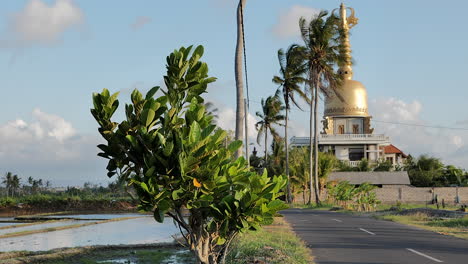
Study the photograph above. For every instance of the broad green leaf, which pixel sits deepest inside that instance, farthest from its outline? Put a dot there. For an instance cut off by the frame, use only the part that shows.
(152, 92)
(158, 215)
(147, 117)
(234, 145)
(177, 194)
(195, 132)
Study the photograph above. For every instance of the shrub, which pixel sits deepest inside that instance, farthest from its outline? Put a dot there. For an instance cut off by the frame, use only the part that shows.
(174, 156)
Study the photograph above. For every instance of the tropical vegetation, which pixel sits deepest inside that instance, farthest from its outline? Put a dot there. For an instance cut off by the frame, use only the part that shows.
(270, 116)
(321, 53)
(291, 77)
(174, 155)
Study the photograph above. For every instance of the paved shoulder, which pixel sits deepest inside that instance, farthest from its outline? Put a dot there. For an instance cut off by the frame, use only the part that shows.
(343, 238)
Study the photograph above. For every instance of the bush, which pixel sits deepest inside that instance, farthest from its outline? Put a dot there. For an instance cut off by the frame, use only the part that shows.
(173, 154)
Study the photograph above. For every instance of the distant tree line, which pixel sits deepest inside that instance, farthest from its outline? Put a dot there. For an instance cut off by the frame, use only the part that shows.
(11, 185)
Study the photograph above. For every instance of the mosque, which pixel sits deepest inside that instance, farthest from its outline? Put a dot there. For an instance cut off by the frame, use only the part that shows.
(347, 130)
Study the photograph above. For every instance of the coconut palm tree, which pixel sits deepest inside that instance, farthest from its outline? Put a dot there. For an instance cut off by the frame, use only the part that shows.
(15, 184)
(7, 180)
(300, 170)
(270, 115)
(291, 77)
(321, 53)
(238, 75)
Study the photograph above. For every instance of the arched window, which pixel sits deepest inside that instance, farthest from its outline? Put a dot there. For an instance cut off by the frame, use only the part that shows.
(341, 129)
(356, 129)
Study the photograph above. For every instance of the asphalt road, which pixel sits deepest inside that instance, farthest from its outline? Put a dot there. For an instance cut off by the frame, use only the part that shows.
(343, 238)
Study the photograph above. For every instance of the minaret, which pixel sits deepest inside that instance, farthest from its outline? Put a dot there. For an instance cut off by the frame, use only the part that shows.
(350, 111)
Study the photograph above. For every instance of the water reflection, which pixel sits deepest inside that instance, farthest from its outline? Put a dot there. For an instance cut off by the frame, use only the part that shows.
(142, 230)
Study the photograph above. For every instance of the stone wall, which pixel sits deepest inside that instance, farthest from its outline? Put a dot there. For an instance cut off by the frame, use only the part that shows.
(408, 194)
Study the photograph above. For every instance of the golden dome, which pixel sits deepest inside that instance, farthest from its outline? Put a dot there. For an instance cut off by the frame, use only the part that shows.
(353, 101)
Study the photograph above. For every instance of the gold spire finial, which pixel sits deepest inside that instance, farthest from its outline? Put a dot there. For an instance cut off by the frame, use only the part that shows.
(346, 23)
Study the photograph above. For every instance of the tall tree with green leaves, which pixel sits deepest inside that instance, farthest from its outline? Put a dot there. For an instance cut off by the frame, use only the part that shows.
(169, 149)
(321, 52)
(291, 77)
(270, 116)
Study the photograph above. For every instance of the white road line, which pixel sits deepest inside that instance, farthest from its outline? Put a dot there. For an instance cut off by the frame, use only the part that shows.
(424, 255)
(369, 232)
(337, 220)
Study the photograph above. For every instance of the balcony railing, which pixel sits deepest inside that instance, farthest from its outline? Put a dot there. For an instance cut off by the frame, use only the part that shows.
(357, 137)
(342, 138)
(353, 163)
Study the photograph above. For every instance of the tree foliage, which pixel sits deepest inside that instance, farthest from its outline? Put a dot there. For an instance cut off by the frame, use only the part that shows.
(175, 157)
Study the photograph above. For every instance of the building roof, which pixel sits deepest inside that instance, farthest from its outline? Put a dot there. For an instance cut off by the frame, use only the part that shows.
(391, 149)
(373, 177)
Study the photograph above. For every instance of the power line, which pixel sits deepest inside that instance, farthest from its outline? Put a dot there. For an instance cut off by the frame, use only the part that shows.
(393, 123)
(420, 125)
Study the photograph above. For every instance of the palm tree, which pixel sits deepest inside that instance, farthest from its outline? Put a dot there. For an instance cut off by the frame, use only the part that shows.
(15, 183)
(211, 109)
(321, 53)
(327, 162)
(7, 180)
(270, 115)
(292, 71)
(238, 75)
(300, 169)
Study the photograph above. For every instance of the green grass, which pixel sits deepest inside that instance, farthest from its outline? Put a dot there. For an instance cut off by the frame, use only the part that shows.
(323, 206)
(457, 227)
(456, 223)
(93, 255)
(273, 244)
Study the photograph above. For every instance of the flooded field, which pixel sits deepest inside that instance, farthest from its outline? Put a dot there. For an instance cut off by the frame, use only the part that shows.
(141, 230)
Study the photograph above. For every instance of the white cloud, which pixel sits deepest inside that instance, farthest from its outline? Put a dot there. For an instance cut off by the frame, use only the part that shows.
(227, 121)
(288, 21)
(49, 147)
(140, 22)
(40, 23)
(449, 145)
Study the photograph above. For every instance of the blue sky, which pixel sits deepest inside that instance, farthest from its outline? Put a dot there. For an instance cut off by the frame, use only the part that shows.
(411, 56)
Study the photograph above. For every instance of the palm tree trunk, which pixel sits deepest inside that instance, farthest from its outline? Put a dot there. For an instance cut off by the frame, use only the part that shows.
(311, 131)
(266, 148)
(239, 79)
(288, 197)
(317, 190)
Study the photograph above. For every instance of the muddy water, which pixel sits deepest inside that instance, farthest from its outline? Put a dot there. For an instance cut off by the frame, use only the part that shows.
(38, 226)
(93, 216)
(141, 230)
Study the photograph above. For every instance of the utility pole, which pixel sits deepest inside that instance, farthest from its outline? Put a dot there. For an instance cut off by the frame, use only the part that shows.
(246, 114)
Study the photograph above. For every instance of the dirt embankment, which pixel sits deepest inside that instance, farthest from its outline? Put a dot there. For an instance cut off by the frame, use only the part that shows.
(77, 206)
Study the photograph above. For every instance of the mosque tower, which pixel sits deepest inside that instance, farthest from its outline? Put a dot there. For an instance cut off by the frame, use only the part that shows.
(347, 131)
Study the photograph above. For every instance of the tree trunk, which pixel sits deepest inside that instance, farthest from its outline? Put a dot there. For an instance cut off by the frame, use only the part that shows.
(266, 148)
(239, 77)
(317, 190)
(288, 187)
(311, 131)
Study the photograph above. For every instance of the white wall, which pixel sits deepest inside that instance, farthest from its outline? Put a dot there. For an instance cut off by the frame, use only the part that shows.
(341, 152)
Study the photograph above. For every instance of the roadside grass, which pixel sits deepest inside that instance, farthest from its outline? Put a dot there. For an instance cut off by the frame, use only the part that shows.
(457, 227)
(323, 206)
(276, 243)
